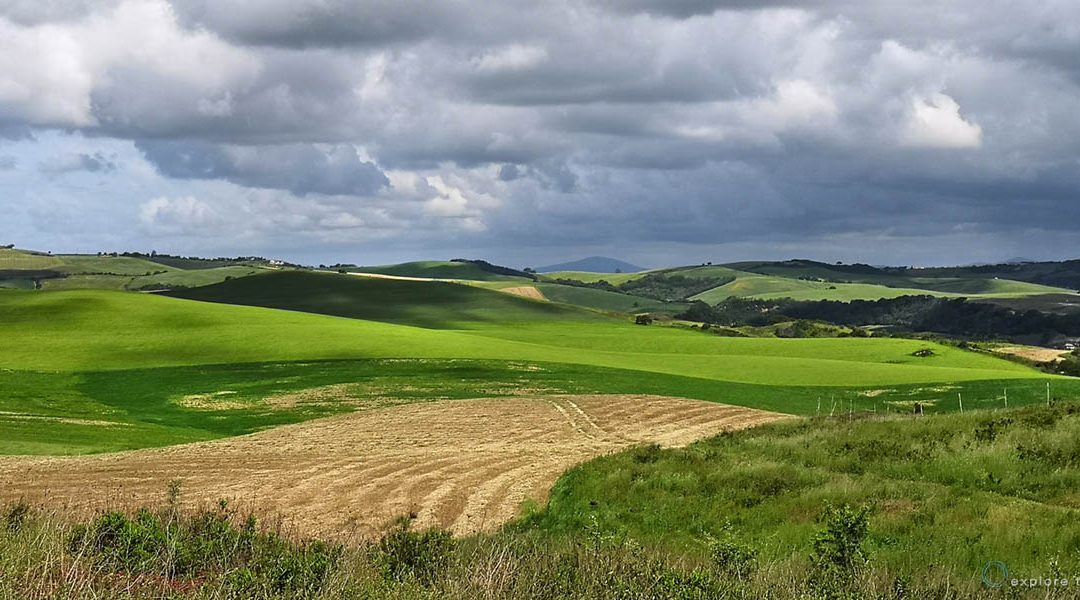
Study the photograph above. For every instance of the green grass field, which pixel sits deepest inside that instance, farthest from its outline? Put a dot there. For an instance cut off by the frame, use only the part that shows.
(587, 277)
(431, 304)
(596, 299)
(607, 301)
(987, 479)
(798, 282)
(749, 285)
(960, 282)
(91, 272)
(123, 359)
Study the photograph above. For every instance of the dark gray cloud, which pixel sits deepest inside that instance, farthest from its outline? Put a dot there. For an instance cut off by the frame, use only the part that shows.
(690, 8)
(562, 123)
(316, 24)
(299, 168)
(8, 162)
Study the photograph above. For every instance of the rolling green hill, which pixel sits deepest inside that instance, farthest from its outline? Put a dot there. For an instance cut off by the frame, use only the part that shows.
(959, 281)
(434, 269)
(75, 362)
(750, 285)
(809, 280)
(78, 271)
(607, 301)
(431, 304)
(591, 298)
(11, 259)
(586, 277)
(98, 329)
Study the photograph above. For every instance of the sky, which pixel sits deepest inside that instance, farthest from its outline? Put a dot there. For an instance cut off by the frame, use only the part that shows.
(530, 132)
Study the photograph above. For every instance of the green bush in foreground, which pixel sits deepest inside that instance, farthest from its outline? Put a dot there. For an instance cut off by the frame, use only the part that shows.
(182, 552)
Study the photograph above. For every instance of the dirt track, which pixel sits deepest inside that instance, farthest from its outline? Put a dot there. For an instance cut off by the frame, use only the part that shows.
(463, 464)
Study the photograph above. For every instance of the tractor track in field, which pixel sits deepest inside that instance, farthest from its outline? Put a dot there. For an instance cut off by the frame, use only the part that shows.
(467, 465)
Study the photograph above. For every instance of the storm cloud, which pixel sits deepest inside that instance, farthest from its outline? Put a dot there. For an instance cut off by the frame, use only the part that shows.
(537, 131)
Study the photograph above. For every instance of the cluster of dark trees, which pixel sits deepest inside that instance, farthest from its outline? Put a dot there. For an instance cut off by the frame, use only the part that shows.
(30, 274)
(955, 317)
(154, 254)
(658, 286)
(495, 269)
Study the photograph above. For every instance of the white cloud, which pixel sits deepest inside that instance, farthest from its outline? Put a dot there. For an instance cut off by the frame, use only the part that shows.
(79, 73)
(453, 202)
(936, 122)
(515, 57)
(186, 215)
(43, 77)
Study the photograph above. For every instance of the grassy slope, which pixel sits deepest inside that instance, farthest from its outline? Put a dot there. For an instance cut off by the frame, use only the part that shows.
(781, 280)
(697, 272)
(762, 286)
(117, 330)
(20, 259)
(542, 331)
(125, 364)
(1054, 303)
(125, 358)
(196, 277)
(115, 273)
(1004, 484)
(438, 270)
(959, 281)
(605, 300)
(749, 285)
(432, 304)
(595, 299)
(587, 277)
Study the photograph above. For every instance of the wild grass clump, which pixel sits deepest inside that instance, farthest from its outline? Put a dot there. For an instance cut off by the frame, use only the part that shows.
(404, 554)
(16, 515)
(158, 553)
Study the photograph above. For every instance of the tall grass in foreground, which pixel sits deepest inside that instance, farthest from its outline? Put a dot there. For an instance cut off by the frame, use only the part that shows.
(885, 508)
(218, 554)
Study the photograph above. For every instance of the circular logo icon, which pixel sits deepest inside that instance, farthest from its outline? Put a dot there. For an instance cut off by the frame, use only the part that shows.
(995, 574)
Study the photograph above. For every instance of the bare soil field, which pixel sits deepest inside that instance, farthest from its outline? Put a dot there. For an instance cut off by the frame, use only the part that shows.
(468, 465)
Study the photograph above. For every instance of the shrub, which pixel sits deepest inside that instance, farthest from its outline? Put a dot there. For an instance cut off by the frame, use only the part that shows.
(16, 516)
(987, 431)
(731, 557)
(209, 544)
(646, 454)
(838, 555)
(423, 555)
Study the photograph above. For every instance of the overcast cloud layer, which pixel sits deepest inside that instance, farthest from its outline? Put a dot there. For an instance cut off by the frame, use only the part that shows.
(527, 132)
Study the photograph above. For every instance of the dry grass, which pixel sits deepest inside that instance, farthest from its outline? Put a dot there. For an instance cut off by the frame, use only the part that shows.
(1032, 353)
(525, 291)
(465, 465)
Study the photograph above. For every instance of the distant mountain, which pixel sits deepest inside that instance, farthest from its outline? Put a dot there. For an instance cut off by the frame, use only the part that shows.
(593, 264)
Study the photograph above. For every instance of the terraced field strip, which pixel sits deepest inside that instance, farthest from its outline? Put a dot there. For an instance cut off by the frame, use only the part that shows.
(467, 465)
